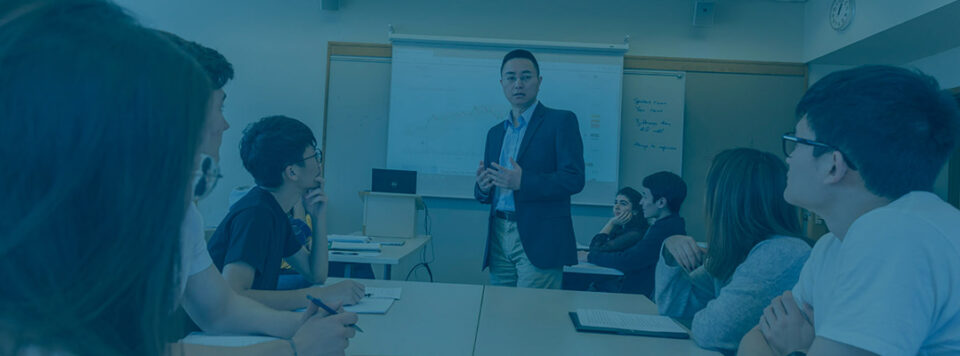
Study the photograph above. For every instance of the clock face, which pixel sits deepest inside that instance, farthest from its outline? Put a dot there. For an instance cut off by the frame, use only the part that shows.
(841, 13)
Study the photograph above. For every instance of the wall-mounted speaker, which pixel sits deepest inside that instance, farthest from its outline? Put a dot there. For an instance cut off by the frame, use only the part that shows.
(703, 11)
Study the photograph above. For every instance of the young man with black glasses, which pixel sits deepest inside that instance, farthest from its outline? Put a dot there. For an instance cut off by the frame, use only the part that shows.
(281, 154)
(866, 152)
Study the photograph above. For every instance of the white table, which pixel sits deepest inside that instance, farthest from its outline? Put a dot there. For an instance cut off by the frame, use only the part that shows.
(389, 255)
(466, 319)
(429, 319)
(523, 321)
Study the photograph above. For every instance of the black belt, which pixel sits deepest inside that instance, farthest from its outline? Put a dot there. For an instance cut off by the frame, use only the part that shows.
(506, 215)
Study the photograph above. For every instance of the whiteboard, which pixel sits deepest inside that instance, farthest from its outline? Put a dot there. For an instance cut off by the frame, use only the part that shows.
(444, 99)
(653, 118)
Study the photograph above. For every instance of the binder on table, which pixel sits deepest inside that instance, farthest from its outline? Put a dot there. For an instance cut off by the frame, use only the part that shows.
(605, 321)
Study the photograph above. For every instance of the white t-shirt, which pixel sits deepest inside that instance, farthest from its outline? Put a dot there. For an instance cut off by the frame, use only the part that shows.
(194, 257)
(892, 285)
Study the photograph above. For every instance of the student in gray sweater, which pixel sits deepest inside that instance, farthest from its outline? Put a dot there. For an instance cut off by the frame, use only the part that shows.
(752, 256)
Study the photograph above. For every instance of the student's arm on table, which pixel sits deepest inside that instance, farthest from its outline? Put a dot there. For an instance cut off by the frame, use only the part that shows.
(274, 347)
(784, 329)
(240, 275)
(823, 347)
(217, 308)
(313, 264)
(318, 333)
(753, 344)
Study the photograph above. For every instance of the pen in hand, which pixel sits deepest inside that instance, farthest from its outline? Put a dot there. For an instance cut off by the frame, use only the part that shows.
(317, 302)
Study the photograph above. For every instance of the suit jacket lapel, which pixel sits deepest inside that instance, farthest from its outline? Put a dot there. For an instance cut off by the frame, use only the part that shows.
(532, 127)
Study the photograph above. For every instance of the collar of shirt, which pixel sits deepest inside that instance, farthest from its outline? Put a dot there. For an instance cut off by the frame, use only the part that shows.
(524, 117)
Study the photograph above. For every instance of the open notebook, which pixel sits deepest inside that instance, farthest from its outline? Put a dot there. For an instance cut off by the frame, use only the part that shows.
(377, 301)
(605, 321)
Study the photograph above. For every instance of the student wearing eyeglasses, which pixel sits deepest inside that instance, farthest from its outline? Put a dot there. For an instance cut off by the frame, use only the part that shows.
(250, 242)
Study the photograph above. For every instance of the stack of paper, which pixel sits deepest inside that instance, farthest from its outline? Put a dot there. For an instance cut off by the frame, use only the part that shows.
(353, 246)
(349, 238)
(355, 253)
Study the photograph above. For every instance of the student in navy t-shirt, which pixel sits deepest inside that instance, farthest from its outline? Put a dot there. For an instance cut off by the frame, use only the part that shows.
(280, 153)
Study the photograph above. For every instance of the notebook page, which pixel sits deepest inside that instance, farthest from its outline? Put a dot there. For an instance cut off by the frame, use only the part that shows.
(370, 306)
(627, 321)
(376, 292)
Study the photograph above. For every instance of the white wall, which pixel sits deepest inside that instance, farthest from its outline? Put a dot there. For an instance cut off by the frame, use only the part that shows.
(945, 66)
(278, 48)
(872, 17)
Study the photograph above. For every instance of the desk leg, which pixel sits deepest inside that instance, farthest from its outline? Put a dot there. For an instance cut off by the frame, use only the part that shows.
(347, 269)
(386, 271)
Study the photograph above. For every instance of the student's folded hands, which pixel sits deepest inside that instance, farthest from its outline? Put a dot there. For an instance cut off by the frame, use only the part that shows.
(785, 327)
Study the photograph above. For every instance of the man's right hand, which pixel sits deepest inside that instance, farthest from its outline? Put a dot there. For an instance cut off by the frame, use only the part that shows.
(484, 179)
(322, 334)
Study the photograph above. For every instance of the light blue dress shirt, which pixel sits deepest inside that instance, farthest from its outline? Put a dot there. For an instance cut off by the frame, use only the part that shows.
(511, 147)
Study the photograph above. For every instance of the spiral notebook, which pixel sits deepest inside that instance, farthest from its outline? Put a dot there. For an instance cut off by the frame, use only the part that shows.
(605, 321)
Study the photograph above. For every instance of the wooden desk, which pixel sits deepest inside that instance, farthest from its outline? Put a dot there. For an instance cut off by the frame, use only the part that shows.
(523, 321)
(389, 255)
(429, 319)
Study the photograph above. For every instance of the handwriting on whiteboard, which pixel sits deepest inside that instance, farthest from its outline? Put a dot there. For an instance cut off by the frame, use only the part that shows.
(646, 147)
(648, 120)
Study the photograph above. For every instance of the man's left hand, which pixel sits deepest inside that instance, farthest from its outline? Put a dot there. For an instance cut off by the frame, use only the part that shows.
(315, 200)
(785, 327)
(506, 178)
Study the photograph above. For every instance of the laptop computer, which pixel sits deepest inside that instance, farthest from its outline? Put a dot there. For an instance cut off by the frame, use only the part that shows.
(394, 181)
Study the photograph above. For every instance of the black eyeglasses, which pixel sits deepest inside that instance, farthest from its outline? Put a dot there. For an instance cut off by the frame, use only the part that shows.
(790, 141)
(316, 155)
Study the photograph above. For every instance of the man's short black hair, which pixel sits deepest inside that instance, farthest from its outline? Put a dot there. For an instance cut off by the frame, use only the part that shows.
(520, 53)
(218, 69)
(271, 144)
(669, 186)
(894, 124)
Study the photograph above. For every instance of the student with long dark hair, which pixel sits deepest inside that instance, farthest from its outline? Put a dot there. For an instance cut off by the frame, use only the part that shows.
(752, 257)
(622, 231)
(91, 108)
(627, 225)
(100, 120)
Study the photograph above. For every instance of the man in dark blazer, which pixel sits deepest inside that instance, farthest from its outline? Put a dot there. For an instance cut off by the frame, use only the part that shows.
(533, 163)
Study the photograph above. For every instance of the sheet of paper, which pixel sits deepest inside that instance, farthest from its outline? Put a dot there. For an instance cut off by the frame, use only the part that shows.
(370, 306)
(377, 292)
(627, 321)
